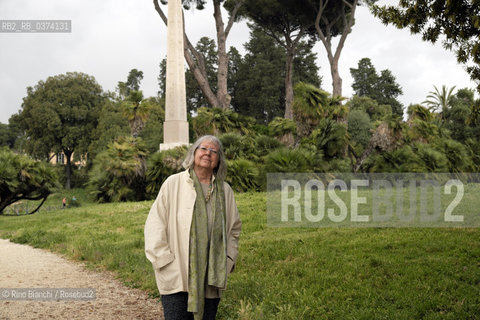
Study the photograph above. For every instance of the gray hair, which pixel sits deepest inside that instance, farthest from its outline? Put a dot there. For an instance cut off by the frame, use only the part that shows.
(221, 169)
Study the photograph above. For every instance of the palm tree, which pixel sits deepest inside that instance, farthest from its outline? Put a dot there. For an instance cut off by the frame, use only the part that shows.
(439, 101)
(118, 174)
(136, 110)
(309, 106)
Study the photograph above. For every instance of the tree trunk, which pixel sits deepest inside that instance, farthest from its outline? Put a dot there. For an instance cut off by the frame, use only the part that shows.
(39, 206)
(222, 69)
(327, 37)
(289, 82)
(68, 171)
(336, 79)
(196, 63)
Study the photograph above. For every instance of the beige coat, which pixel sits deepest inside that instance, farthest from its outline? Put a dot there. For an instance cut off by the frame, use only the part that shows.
(167, 232)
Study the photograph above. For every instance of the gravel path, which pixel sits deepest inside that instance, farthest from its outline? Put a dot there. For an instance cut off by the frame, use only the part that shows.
(22, 266)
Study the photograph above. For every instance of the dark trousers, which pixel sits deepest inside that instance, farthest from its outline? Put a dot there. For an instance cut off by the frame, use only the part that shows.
(175, 307)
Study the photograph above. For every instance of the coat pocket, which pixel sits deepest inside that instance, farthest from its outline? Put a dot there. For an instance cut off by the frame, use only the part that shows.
(168, 277)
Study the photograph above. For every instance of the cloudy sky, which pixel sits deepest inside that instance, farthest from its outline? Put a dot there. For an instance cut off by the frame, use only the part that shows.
(111, 37)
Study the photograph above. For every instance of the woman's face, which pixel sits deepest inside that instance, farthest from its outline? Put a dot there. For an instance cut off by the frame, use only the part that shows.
(206, 155)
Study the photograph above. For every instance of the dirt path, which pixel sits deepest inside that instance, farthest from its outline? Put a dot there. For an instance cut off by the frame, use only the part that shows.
(22, 266)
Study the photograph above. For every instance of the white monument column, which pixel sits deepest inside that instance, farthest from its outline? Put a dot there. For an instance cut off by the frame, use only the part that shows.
(175, 127)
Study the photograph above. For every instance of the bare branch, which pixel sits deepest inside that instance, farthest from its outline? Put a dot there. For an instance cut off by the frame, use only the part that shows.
(160, 12)
(348, 28)
(231, 20)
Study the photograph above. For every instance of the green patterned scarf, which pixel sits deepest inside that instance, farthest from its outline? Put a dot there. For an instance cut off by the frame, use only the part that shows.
(207, 258)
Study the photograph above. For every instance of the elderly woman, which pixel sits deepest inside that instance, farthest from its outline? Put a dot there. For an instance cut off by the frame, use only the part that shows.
(192, 232)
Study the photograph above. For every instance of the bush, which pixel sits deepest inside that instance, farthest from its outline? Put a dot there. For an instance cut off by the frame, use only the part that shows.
(216, 121)
(433, 160)
(457, 156)
(265, 145)
(279, 127)
(161, 165)
(330, 137)
(403, 159)
(237, 146)
(243, 175)
(359, 126)
(292, 160)
(118, 174)
(375, 111)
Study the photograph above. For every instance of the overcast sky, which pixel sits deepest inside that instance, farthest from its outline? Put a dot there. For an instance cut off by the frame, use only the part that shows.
(111, 37)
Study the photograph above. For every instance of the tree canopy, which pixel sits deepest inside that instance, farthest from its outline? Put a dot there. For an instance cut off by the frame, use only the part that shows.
(332, 19)
(22, 178)
(455, 23)
(288, 23)
(60, 115)
(260, 80)
(382, 87)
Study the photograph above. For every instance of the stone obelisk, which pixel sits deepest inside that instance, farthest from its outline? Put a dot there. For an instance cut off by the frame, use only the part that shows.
(175, 127)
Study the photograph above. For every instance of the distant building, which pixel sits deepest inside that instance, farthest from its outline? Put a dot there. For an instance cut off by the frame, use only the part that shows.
(60, 158)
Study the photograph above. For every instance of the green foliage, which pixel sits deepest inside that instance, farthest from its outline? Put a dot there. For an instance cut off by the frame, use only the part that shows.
(279, 127)
(441, 156)
(329, 137)
(79, 175)
(260, 79)
(8, 135)
(111, 125)
(403, 159)
(243, 175)
(60, 114)
(440, 101)
(473, 149)
(423, 131)
(118, 174)
(152, 133)
(125, 89)
(237, 146)
(309, 106)
(382, 88)
(460, 118)
(375, 111)
(456, 155)
(22, 178)
(215, 121)
(420, 112)
(161, 165)
(433, 160)
(259, 82)
(293, 160)
(136, 110)
(287, 23)
(265, 144)
(359, 129)
(338, 165)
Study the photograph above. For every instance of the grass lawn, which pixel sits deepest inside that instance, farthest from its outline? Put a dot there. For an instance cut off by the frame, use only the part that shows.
(285, 273)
